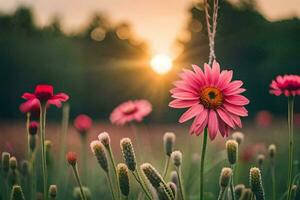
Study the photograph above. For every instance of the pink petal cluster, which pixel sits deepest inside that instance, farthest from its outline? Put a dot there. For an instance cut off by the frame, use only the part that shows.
(289, 85)
(44, 94)
(83, 123)
(32, 107)
(212, 98)
(133, 110)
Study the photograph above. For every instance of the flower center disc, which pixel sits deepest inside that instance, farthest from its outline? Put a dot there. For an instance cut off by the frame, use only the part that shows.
(211, 97)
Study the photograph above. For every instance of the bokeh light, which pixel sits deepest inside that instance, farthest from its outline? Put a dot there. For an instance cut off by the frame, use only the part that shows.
(161, 64)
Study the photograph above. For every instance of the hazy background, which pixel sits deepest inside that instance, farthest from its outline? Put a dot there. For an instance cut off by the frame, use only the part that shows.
(99, 52)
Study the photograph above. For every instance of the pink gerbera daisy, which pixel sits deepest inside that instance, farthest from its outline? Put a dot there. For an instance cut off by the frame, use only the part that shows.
(133, 110)
(289, 85)
(212, 98)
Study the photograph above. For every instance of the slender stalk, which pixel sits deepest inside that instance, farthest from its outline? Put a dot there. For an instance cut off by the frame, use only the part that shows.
(76, 174)
(221, 194)
(273, 180)
(166, 168)
(181, 189)
(110, 186)
(137, 178)
(202, 163)
(27, 130)
(113, 164)
(33, 177)
(232, 184)
(64, 131)
(291, 145)
(84, 158)
(43, 153)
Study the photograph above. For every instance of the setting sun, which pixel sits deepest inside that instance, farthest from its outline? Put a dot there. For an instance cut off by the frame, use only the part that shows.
(161, 64)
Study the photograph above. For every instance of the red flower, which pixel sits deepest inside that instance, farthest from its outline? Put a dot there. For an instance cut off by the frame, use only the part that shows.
(44, 94)
(32, 107)
(83, 123)
(71, 158)
(289, 85)
(33, 127)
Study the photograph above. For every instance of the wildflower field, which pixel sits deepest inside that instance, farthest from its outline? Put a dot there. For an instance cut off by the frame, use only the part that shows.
(213, 150)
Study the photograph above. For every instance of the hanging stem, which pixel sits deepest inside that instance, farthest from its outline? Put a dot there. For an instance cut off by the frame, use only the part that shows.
(291, 144)
(76, 174)
(202, 163)
(43, 111)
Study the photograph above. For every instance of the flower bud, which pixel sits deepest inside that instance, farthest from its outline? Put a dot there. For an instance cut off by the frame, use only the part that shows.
(53, 191)
(260, 159)
(5, 162)
(99, 151)
(48, 148)
(71, 158)
(176, 157)
(225, 177)
(246, 194)
(32, 142)
(152, 175)
(232, 151)
(33, 127)
(169, 141)
(77, 194)
(128, 153)
(294, 190)
(272, 151)
(17, 193)
(123, 178)
(13, 163)
(104, 139)
(174, 177)
(238, 137)
(165, 192)
(238, 190)
(256, 183)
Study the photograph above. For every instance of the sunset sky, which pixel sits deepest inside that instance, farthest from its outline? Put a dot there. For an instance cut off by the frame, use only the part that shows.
(157, 21)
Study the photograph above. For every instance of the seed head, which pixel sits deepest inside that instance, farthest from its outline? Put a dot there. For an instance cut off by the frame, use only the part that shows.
(238, 137)
(238, 190)
(152, 174)
(53, 191)
(17, 193)
(13, 163)
(169, 141)
(104, 139)
(256, 183)
(25, 167)
(225, 177)
(260, 159)
(5, 162)
(246, 194)
(33, 127)
(232, 151)
(71, 158)
(176, 158)
(123, 178)
(48, 144)
(173, 188)
(99, 151)
(272, 151)
(294, 191)
(77, 194)
(128, 153)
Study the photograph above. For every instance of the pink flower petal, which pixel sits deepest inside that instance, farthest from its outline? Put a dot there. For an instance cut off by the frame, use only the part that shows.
(28, 96)
(212, 124)
(191, 112)
(61, 96)
(237, 110)
(177, 103)
(185, 96)
(55, 102)
(199, 120)
(237, 100)
(225, 117)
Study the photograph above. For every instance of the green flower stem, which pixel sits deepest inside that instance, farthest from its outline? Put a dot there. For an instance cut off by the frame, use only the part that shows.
(291, 145)
(232, 184)
(138, 179)
(166, 168)
(113, 164)
(110, 185)
(181, 189)
(64, 131)
(27, 130)
(76, 174)
(221, 194)
(33, 176)
(43, 153)
(202, 164)
(273, 180)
